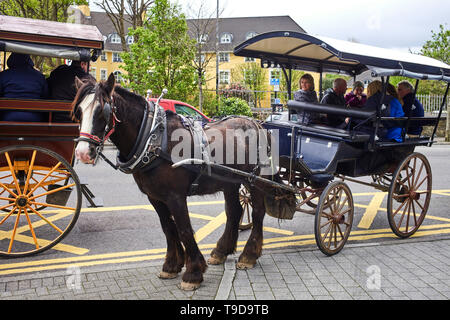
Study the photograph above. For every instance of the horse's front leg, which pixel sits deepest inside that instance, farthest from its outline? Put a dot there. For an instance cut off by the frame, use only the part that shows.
(195, 263)
(253, 247)
(174, 261)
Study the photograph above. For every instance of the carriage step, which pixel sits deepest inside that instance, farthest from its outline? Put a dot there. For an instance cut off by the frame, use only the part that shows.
(93, 201)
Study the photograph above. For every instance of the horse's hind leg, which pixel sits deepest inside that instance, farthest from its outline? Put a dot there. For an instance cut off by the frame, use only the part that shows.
(195, 263)
(174, 261)
(227, 243)
(253, 247)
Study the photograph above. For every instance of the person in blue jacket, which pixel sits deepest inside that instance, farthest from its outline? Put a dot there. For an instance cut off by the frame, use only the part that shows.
(22, 81)
(391, 107)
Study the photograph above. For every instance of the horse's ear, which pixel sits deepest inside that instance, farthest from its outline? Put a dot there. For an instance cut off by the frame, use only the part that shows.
(78, 83)
(110, 83)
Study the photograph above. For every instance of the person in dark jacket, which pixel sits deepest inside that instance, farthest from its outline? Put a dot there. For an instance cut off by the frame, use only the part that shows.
(411, 106)
(306, 94)
(335, 96)
(61, 82)
(22, 81)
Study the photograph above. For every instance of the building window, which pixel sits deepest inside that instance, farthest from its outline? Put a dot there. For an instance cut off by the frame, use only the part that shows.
(118, 76)
(116, 57)
(224, 56)
(103, 56)
(224, 77)
(103, 74)
(203, 38)
(93, 72)
(130, 40)
(226, 38)
(250, 35)
(248, 59)
(115, 38)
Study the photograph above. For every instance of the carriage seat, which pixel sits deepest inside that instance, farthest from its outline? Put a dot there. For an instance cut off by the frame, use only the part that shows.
(55, 110)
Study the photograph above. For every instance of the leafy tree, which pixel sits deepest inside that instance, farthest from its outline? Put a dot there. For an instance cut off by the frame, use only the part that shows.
(253, 77)
(439, 47)
(162, 56)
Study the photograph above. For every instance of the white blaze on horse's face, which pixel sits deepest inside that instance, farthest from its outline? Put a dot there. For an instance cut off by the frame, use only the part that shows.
(87, 110)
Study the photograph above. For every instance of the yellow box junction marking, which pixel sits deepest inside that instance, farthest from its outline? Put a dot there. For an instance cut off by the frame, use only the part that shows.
(288, 240)
(371, 211)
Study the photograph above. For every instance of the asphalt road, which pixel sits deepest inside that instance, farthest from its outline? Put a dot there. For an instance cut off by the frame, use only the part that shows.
(127, 228)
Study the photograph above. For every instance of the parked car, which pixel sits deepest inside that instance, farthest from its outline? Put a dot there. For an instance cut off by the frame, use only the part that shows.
(281, 116)
(182, 108)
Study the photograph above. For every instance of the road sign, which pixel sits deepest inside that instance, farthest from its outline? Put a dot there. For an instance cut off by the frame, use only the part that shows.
(274, 82)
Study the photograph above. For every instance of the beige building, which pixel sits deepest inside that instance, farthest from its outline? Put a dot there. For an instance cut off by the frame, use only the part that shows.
(232, 31)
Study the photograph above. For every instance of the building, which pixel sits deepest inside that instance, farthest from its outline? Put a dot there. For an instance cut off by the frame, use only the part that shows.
(232, 31)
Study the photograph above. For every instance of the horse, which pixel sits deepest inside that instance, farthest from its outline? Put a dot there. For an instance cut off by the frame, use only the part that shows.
(106, 105)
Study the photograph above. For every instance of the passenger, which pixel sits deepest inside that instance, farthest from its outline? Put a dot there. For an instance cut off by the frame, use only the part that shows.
(391, 107)
(61, 82)
(306, 94)
(22, 81)
(411, 106)
(335, 96)
(356, 98)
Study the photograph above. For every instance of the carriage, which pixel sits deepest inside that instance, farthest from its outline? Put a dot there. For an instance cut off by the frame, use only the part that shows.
(40, 193)
(315, 160)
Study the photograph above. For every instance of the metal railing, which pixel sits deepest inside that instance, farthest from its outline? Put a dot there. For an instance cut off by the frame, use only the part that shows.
(432, 102)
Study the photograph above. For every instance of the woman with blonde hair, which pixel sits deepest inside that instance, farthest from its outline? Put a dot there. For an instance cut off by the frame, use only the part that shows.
(306, 94)
(391, 107)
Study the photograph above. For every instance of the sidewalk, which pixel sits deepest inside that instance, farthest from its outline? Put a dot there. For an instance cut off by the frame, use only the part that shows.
(402, 269)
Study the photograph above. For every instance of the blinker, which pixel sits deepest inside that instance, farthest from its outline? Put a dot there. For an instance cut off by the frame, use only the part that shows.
(107, 112)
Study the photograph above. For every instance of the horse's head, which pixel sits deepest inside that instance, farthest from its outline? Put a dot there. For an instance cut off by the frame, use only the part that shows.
(93, 108)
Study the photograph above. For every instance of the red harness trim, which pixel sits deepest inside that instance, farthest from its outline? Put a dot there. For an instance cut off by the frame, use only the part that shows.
(98, 140)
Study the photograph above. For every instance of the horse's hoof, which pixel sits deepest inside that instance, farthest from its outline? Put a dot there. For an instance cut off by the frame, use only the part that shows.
(189, 286)
(215, 260)
(244, 265)
(167, 275)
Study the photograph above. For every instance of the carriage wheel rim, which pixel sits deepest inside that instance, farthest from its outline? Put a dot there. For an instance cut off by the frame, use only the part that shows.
(24, 224)
(409, 195)
(334, 217)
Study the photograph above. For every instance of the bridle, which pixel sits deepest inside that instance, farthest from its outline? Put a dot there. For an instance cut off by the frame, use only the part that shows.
(109, 109)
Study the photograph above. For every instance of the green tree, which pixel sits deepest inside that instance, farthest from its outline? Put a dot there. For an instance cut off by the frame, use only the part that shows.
(163, 54)
(253, 77)
(439, 47)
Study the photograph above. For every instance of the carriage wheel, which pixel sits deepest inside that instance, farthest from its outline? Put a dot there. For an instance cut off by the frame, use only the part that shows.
(313, 200)
(334, 217)
(409, 195)
(40, 199)
(246, 203)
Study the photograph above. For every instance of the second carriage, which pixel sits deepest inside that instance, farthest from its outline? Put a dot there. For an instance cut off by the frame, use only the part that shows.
(316, 160)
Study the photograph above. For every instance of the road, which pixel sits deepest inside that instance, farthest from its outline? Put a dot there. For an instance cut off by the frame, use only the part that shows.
(127, 228)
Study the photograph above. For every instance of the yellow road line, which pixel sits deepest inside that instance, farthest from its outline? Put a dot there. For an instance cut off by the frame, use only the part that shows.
(371, 211)
(280, 231)
(210, 227)
(28, 267)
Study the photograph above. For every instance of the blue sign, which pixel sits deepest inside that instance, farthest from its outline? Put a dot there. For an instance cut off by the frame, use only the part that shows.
(274, 82)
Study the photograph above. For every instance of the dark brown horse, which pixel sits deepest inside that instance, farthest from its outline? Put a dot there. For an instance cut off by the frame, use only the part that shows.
(167, 187)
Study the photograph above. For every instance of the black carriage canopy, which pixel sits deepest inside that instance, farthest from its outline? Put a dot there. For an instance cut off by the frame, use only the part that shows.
(295, 50)
(50, 39)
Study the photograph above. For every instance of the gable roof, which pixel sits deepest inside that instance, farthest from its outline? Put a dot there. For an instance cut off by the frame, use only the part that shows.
(239, 28)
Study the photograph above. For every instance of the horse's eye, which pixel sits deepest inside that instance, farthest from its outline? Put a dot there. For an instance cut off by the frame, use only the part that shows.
(77, 113)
